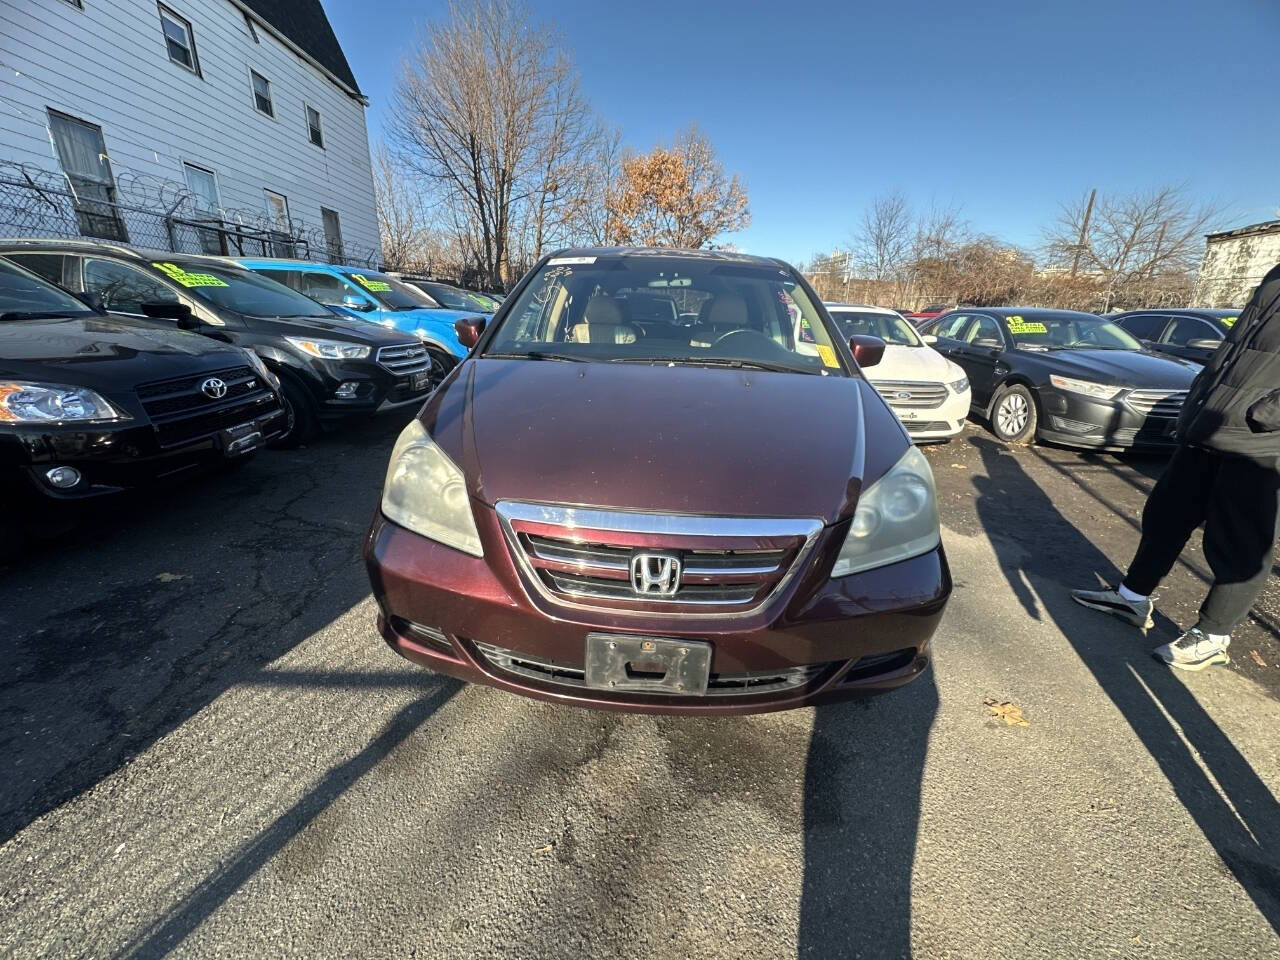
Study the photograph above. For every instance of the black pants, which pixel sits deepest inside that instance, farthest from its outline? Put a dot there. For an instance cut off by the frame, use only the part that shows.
(1238, 501)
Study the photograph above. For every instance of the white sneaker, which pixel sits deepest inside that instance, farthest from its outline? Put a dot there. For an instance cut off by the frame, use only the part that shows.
(1137, 612)
(1193, 651)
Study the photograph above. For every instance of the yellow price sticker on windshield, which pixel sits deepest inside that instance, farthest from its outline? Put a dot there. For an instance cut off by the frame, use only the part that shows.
(1017, 325)
(828, 355)
(377, 286)
(176, 273)
(1229, 321)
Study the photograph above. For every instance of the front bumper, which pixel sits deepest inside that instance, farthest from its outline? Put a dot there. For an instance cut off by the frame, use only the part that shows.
(1076, 420)
(477, 619)
(933, 423)
(113, 458)
(371, 387)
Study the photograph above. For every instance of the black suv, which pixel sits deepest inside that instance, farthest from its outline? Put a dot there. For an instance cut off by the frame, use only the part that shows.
(329, 367)
(92, 404)
(1190, 334)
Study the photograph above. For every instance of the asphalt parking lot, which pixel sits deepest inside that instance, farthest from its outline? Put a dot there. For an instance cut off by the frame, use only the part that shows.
(208, 750)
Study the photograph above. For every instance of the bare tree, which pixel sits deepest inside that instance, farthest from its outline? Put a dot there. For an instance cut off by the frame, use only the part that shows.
(1133, 244)
(401, 217)
(676, 197)
(487, 108)
(882, 242)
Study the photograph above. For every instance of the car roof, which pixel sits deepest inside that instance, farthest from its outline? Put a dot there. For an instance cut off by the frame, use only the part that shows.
(727, 256)
(863, 307)
(1211, 313)
(106, 248)
(298, 262)
(1026, 312)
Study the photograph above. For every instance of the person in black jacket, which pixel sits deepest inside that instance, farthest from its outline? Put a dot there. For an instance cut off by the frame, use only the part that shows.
(1225, 474)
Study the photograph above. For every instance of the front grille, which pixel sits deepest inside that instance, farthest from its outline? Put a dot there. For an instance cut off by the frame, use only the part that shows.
(911, 394)
(181, 411)
(925, 426)
(1160, 404)
(718, 684)
(583, 557)
(404, 358)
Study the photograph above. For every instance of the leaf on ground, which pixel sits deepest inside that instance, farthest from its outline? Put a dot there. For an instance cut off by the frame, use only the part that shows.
(170, 577)
(547, 849)
(1011, 713)
(1257, 658)
(958, 466)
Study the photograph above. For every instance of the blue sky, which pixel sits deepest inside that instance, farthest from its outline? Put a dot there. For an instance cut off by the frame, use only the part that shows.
(1003, 108)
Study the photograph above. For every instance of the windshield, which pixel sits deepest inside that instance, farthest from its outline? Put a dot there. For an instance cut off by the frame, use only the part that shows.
(1068, 331)
(240, 290)
(728, 314)
(24, 296)
(889, 327)
(388, 291)
(453, 298)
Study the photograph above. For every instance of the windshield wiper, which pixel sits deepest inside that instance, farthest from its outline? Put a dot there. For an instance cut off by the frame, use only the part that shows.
(42, 315)
(537, 355)
(719, 362)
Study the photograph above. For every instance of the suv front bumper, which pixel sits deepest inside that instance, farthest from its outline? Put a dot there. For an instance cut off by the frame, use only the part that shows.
(818, 641)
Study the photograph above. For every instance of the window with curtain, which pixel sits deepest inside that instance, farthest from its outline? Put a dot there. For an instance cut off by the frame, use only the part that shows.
(83, 156)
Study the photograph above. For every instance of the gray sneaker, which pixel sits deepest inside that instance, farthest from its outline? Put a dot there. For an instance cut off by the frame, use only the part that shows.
(1193, 651)
(1137, 612)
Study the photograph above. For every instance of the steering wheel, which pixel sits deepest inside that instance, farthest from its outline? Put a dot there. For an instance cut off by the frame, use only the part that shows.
(745, 335)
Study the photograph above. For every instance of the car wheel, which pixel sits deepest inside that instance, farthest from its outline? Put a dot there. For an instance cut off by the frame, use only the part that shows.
(1013, 415)
(299, 412)
(442, 362)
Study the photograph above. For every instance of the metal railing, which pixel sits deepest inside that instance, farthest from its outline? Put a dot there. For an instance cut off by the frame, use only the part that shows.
(152, 212)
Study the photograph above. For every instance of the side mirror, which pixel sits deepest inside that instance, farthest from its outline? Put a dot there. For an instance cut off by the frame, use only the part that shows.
(1205, 344)
(988, 343)
(171, 310)
(353, 302)
(929, 338)
(92, 300)
(469, 330)
(867, 351)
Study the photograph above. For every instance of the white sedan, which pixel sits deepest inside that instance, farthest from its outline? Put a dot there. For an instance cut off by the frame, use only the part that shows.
(928, 392)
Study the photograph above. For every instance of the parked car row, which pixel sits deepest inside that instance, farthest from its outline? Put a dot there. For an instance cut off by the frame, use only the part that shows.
(119, 366)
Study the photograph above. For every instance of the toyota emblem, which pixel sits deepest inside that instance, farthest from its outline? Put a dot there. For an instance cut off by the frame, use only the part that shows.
(214, 388)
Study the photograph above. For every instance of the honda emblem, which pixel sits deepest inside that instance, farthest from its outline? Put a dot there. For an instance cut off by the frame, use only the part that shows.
(655, 574)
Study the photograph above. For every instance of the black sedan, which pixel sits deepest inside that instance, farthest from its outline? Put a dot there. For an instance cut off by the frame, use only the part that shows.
(1066, 377)
(1191, 334)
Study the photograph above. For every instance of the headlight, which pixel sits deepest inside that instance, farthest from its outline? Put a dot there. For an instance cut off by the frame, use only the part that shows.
(1103, 391)
(330, 349)
(897, 518)
(261, 370)
(22, 402)
(426, 493)
(960, 386)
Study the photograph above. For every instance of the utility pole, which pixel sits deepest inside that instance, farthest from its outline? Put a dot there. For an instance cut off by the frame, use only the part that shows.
(1084, 231)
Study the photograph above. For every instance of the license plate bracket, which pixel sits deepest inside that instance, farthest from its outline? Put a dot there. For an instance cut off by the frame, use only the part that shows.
(242, 439)
(627, 663)
(420, 381)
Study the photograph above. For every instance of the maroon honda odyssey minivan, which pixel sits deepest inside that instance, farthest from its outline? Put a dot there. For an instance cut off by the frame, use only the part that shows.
(661, 483)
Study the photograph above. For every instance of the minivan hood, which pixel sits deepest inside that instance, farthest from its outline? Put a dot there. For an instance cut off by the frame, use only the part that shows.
(1123, 368)
(659, 438)
(106, 353)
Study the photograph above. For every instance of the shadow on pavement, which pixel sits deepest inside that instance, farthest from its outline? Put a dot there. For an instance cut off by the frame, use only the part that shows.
(861, 817)
(1239, 816)
(218, 887)
(117, 634)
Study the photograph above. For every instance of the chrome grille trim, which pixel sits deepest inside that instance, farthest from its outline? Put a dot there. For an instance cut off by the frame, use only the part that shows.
(924, 395)
(578, 522)
(697, 563)
(1161, 404)
(404, 358)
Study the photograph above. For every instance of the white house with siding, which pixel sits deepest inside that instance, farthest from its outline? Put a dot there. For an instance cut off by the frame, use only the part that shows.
(249, 103)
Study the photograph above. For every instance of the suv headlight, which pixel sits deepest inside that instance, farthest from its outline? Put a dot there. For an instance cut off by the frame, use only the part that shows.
(330, 349)
(426, 493)
(897, 518)
(23, 402)
(1103, 391)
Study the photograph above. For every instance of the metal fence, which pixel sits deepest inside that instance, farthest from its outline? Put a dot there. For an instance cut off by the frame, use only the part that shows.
(152, 212)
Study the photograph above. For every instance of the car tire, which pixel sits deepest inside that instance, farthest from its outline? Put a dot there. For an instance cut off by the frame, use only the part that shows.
(1013, 415)
(442, 362)
(300, 415)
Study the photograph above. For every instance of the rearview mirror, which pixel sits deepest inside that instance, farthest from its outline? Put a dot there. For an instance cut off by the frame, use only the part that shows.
(1205, 344)
(867, 351)
(354, 302)
(988, 343)
(930, 339)
(171, 310)
(468, 330)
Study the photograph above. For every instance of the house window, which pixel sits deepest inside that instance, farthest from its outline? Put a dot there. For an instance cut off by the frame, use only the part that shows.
(332, 234)
(262, 94)
(179, 40)
(313, 126)
(278, 214)
(203, 185)
(83, 156)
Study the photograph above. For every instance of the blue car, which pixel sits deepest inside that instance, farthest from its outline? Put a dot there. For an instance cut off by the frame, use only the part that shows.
(369, 295)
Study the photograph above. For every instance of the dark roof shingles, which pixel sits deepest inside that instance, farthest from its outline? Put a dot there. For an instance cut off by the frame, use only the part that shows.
(304, 22)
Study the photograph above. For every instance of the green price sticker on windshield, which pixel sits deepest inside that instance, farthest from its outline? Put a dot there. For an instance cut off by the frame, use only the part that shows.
(1229, 321)
(1017, 325)
(175, 272)
(377, 286)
